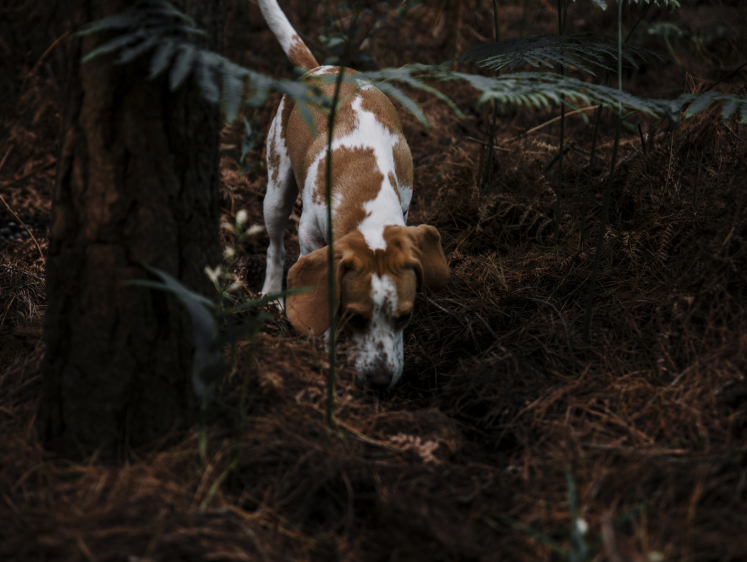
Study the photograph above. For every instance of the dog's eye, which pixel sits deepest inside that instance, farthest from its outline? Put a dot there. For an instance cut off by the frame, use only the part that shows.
(402, 321)
(357, 321)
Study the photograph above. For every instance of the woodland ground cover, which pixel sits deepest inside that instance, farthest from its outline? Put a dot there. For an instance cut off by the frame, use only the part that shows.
(507, 424)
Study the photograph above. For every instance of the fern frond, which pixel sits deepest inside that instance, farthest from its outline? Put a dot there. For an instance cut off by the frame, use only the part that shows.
(155, 25)
(670, 3)
(115, 44)
(207, 63)
(161, 58)
(182, 65)
(580, 50)
(123, 20)
(540, 89)
(411, 75)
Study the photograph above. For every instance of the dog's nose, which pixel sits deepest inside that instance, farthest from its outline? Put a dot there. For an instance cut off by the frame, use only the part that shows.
(379, 380)
(380, 376)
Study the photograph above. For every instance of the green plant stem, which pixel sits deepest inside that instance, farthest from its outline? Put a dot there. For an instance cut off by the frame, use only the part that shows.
(596, 133)
(607, 192)
(331, 375)
(331, 277)
(562, 13)
(602, 228)
(588, 175)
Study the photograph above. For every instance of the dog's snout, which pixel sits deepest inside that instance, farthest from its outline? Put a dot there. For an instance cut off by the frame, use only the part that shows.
(380, 376)
(380, 381)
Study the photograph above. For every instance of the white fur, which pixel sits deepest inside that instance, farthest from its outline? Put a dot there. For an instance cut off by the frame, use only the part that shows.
(381, 344)
(278, 204)
(380, 349)
(387, 208)
(279, 24)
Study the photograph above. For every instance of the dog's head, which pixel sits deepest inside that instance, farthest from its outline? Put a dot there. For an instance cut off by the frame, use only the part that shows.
(375, 294)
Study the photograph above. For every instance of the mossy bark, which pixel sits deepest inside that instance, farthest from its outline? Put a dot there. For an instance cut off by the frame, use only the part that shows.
(137, 182)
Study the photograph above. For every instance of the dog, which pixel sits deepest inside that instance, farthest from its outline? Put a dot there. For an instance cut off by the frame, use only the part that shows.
(379, 262)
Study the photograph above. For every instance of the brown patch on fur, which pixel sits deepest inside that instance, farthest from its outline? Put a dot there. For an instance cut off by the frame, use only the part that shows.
(273, 152)
(273, 159)
(377, 103)
(393, 181)
(403, 162)
(300, 55)
(356, 178)
(421, 245)
(285, 117)
(305, 147)
(309, 312)
(413, 258)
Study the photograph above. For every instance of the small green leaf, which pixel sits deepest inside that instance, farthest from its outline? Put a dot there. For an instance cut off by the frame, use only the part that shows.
(128, 55)
(233, 91)
(182, 66)
(407, 102)
(205, 72)
(730, 107)
(124, 20)
(161, 58)
(114, 45)
(701, 102)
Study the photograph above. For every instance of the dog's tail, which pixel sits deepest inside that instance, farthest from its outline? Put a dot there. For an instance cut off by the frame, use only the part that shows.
(294, 47)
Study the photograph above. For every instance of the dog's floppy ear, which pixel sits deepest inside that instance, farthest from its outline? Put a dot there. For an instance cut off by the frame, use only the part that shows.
(308, 312)
(433, 271)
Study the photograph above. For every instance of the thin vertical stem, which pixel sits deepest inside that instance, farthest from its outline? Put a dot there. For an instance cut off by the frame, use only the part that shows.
(495, 20)
(607, 192)
(600, 239)
(592, 159)
(619, 45)
(561, 29)
(331, 277)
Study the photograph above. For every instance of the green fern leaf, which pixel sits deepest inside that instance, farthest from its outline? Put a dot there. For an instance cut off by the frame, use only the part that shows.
(161, 59)
(205, 72)
(406, 75)
(166, 9)
(730, 107)
(701, 101)
(124, 20)
(182, 66)
(406, 101)
(114, 45)
(580, 50)
(233, 90)
(128, 55)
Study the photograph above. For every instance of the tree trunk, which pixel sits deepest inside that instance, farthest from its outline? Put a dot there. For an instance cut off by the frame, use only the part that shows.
(137, 182)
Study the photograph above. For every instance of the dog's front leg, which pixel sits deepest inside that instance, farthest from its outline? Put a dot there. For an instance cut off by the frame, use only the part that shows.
(278, 204)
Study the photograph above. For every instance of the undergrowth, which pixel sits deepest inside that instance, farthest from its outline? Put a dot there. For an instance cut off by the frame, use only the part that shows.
(502, 398)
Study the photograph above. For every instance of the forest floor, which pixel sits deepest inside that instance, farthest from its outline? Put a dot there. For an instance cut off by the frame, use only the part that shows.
(509, 434)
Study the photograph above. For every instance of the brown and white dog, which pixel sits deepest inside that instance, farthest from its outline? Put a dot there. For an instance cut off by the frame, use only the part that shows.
(379, 262)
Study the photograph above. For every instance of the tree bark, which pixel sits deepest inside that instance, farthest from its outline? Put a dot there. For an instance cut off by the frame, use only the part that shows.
(137, 182)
